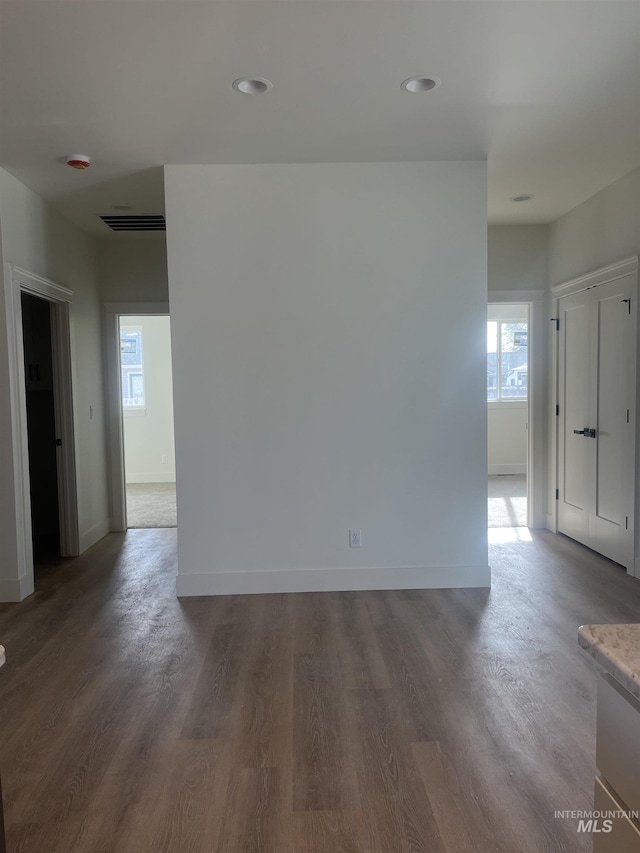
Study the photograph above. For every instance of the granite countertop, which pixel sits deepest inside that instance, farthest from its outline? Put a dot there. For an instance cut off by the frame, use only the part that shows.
(617, 649)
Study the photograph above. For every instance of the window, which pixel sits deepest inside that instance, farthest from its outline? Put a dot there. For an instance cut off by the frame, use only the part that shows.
(131, 367)
(507, 360)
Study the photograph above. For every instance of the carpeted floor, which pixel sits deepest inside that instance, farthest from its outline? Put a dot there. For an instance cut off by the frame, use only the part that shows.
(508, 500)
(154, 504)
(151, 505)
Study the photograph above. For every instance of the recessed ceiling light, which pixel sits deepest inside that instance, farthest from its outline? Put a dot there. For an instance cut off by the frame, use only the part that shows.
(418, 85)
(522, 197)
(252, 85)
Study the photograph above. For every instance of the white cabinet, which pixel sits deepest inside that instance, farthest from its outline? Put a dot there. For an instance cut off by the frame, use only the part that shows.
(618, 761)
(622, 835)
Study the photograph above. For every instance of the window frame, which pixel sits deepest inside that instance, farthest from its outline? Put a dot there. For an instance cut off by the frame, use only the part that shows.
(129, 408)
(508, 401)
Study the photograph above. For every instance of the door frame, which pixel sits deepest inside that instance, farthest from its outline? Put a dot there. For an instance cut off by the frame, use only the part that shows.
(534, 299)
(594, 278)
(59, 299)
(112, 313)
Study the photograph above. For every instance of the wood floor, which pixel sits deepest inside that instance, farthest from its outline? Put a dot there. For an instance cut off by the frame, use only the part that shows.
(377, 722)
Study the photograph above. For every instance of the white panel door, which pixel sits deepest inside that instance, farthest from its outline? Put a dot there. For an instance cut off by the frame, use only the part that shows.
(613, 406)
(574, 397)
(597, 406)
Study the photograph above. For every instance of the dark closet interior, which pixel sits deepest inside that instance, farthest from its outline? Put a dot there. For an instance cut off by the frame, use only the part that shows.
(43, 472)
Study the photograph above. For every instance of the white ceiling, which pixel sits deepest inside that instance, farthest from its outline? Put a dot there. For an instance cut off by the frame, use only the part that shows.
(548, 92)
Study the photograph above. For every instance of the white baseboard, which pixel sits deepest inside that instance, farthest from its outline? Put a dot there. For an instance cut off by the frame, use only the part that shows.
(507, 469)
(332, 580)
(162, 477)
(94, 534)
(16, 589)
(549, 523)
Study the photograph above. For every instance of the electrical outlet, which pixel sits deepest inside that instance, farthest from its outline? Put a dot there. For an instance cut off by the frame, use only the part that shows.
(165, 459)
(355, 538)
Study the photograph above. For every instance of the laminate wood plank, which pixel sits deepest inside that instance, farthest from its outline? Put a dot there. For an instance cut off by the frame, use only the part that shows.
(357, 644)
(398, 815)
(415, 683)
(153, 770)
(213, 694)
(340, 831)
(315, 630)
(263, 710)
(460, 810)
(323, 776)
(257, 815)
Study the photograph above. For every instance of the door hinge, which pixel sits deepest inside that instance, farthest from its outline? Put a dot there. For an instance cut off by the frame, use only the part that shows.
(627, 415)
(557, 410)
(628, 301)
(58, 442)
(626, 522)
(557, 494)
(556, 320)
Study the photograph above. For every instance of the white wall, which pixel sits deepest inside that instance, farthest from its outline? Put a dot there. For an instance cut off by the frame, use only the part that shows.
(602, 230)
(507, 438)
(518, 257)
(148, 432)
(133, 270)
(328, 331)
(36, 238)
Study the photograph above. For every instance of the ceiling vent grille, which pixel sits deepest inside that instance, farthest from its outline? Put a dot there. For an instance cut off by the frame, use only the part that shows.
(132, 222)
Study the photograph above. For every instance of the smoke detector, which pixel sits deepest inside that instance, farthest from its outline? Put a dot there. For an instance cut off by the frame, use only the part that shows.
(79, 161)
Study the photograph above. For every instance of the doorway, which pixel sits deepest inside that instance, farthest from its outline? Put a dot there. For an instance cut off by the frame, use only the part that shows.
(41, 393)
(41, 431)
(146, 389)
(507, 414)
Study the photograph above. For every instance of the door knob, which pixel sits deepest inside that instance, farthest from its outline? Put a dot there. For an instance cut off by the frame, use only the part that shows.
(581, 431)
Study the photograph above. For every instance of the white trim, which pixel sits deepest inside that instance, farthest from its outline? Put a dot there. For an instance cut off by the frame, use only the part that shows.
(33, 283)
(22, 280)
(517, 468)
(152, 477)
(63, 411)
(94, 534)
(112, 313)
(16, 589)
(515, 297)
(333, 580)
(603, 275)
(549, 522)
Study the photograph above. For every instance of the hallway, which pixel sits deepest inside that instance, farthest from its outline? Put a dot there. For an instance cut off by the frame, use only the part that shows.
(436, 720)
